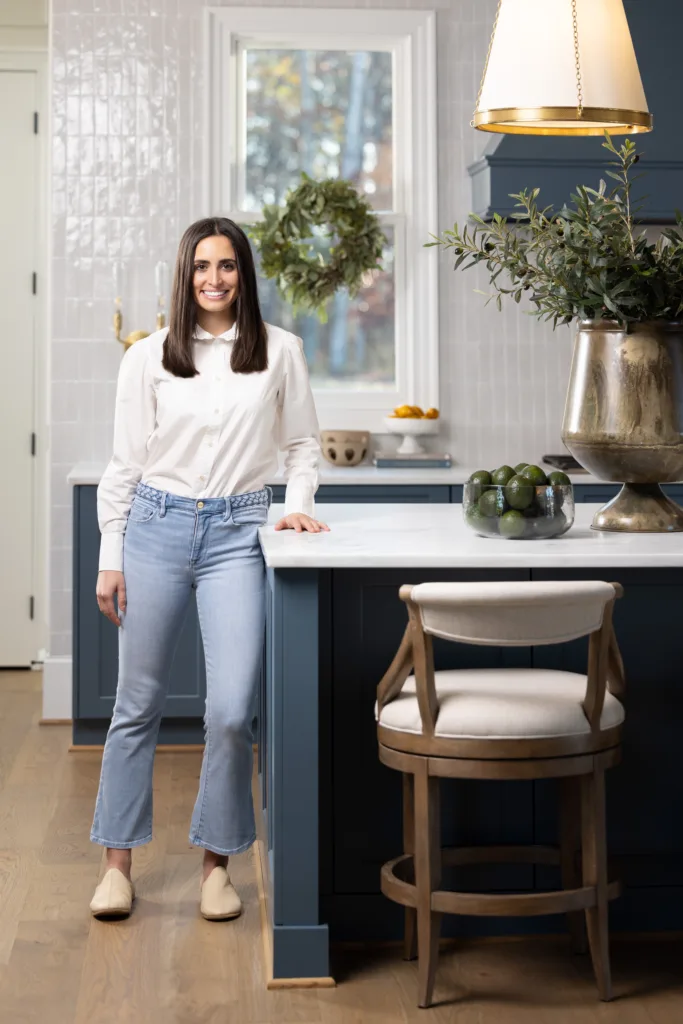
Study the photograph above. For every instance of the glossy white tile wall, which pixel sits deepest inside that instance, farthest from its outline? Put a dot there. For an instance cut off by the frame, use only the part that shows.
(127, 103)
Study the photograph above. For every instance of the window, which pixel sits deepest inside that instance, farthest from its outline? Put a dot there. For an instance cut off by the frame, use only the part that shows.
(337, 94)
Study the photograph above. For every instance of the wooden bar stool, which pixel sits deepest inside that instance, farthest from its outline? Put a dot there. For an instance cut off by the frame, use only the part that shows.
(503, 724)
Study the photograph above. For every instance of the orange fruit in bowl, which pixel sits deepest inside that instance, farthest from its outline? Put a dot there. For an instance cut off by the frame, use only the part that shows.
(413, 412)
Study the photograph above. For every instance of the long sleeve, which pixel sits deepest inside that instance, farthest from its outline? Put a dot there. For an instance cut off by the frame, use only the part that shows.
(299, 434)
(134, 421)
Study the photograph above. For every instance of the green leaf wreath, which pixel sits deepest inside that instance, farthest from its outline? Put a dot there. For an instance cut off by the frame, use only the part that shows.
(304, 277)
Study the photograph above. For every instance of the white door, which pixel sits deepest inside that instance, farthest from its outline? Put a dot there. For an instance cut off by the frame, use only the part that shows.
(18, 215)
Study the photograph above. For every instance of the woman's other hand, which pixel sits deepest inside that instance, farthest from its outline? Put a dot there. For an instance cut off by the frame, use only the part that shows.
(301, 523)
(110, 582)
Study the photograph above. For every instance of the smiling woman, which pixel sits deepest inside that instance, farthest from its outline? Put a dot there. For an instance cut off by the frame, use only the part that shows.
(202, 407)
(214, 285)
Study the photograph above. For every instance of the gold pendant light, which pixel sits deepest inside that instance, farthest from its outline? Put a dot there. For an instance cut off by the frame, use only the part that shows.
(561, 67)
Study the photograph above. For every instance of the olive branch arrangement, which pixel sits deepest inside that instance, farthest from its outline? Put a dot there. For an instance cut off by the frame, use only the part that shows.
(586, 261)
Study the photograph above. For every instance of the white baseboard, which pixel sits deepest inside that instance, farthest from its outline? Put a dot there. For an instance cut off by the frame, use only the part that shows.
(57, 688)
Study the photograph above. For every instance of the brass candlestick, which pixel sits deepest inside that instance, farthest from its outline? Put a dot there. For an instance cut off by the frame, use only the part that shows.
(161, 282)
(134, 336)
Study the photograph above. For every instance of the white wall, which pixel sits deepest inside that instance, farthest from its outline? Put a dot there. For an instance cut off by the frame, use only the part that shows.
(23, 24)
(127, 107)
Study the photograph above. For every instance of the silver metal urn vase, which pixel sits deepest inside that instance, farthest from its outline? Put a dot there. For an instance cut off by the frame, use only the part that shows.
(623, 419)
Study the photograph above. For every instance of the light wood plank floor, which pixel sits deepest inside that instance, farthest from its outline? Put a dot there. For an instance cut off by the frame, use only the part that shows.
(166, 965)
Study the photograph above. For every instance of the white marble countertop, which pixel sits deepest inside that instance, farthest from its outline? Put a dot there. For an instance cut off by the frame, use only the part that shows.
(91, 472)
(367, 536)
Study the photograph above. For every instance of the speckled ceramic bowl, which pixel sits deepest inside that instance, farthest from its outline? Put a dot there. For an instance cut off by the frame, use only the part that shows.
(345, 447)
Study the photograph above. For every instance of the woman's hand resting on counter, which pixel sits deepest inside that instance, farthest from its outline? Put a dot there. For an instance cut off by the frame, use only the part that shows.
(299, 522)
(110, 582)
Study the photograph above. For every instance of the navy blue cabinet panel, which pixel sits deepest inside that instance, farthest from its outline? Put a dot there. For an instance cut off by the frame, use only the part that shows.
(382, 493)
(595, 492)
(605, 492)
(675, 491)
(368, 622)
(95, 638)
(644, 792)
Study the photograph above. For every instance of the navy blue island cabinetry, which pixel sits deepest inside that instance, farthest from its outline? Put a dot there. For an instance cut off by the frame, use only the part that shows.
(331, 813)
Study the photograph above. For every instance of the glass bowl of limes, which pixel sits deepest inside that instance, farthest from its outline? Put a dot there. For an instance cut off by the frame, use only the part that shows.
(520, 503)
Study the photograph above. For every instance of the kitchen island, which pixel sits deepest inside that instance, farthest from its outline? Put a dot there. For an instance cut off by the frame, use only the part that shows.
(330, 813)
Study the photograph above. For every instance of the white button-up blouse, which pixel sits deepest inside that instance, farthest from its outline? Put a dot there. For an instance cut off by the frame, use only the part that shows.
(212, 435)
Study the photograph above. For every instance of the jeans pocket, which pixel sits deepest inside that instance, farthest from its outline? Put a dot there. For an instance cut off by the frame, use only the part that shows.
(141, 511)
(250, 515)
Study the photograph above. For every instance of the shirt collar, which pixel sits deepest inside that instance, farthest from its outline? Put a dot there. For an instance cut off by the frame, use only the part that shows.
(201, 335)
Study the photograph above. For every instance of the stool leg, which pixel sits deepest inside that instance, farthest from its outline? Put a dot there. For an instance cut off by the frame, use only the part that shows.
(410, 931)
(570, 846)
(427, 879)
(594, 844)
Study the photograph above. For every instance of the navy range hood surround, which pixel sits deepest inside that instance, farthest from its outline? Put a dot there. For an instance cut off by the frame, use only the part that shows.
(558, 164)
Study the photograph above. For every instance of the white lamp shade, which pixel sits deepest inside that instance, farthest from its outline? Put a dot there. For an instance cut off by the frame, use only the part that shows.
(530, 86)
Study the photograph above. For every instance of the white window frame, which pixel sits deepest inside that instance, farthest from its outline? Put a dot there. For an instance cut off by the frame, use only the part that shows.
(410, 37)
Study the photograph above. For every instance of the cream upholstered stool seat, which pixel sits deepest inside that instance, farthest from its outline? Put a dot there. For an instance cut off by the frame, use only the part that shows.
(503, 724)
(503, 703)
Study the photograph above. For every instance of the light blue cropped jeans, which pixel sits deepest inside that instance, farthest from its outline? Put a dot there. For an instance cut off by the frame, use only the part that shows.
(171, 546)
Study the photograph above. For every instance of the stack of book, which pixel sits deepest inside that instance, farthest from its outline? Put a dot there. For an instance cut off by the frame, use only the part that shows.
(420, 460)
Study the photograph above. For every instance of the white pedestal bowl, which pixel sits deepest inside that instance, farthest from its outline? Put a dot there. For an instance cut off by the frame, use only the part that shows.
(411, 429)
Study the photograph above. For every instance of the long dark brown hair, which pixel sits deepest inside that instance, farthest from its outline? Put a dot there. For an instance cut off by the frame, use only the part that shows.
(250, 350)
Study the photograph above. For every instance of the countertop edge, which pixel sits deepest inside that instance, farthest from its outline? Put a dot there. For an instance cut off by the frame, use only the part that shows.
(90, 473)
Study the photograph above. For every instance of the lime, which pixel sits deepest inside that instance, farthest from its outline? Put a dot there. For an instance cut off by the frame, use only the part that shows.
(519, 493)
(478, 481)
(520, 466)
(492, 502)
(512, 524)
(476, 520)
(558, 479)
(473, 516)
(534, 474)
(502, 475)
(481, 524)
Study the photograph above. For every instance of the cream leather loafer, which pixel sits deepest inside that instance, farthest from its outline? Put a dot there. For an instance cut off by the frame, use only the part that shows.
(219, 899)
(113, 896)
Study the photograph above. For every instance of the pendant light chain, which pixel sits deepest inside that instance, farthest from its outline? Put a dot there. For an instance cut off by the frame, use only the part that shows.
(486, 62)
(579, 90)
